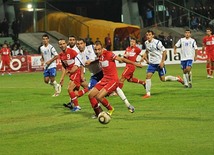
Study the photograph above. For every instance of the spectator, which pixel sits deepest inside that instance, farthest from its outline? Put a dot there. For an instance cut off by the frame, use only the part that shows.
(194, 23)
(5, 28)
(108, 42)
(116, 42)
(16, 28)
(149, 17)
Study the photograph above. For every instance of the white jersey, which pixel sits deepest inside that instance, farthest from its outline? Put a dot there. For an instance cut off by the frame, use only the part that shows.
(48, 53)
(75, 48)
(89, 54)
(155, 50)
(188, 47)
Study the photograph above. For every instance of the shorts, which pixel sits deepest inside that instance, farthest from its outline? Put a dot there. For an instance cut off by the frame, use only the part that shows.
(50, 72)
(186, 63)
(76, 78)
(109, 85)
(6, 62)
(94, 79)
(155, 67)
(128, 72)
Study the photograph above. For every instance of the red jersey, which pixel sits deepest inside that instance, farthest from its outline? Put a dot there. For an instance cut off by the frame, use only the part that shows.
(131, 54)
(5, 53)
(68, 58)
(107, 61)
(208, 41)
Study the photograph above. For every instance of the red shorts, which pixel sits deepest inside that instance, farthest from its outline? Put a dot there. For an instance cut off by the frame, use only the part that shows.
(109, 85)
(210, 55)
(76, 77)
(128, 72)
(6, 62)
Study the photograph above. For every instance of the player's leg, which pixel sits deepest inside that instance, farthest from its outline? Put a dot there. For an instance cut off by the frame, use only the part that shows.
(8, 67)
(109, 87)
(125, 100)
(85, 89)
(150, 71)
(94, 103)
(3, 67)
(74, 98)
(52, 75)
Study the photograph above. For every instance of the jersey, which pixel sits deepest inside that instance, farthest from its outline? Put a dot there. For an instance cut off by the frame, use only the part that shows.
(68, 58)
(188, 47)
(75, 48)
(107, 61)
(131, 54)
(5, 53)
(48, 52)
(155, 50)
(208, 41)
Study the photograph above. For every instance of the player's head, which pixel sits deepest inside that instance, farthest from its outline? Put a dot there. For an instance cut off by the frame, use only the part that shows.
(62, 44)
(81, 44)
(133, 42)
(187, 33)
(150, 35)
(72, 41)
(209, 31)
(98, 48)
(4, 45)
(45, 39)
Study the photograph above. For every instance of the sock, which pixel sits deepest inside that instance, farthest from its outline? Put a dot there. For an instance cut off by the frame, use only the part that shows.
(95, 106)
(135, 80)
(171, 78)
(190, 77)
(208, 68)
(211, 71)
(148, 86)
(185, 80)
(106, 104)
(187, 77)
(74, 98)
(82, 92)
(122, 96)
(121, 85)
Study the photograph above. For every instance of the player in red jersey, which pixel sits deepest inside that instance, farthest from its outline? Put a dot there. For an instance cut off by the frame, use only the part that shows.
(71, 62)
(208, 46)
(5, 58)
(131, 54)
(110, 80)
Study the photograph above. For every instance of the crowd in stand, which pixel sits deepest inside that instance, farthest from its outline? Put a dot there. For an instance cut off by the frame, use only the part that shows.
(15, 48)
(198, 17)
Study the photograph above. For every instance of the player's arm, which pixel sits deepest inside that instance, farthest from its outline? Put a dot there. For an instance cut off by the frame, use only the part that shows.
(51, 60)
(196, 52)
(120, 59)
(42, 60)
(73, 69)
(175, 49)
(203, 49)
(62, 76)
(163, 59)
(144, 57)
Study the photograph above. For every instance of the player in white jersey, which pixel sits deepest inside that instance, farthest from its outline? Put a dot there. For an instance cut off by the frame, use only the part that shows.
(188, 53)
(48, 60)
(72, 43)
(155, 56)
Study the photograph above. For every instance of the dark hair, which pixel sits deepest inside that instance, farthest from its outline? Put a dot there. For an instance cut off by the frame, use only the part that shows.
(188, 30)
(72, 36)
(45, 35)
(150, 31)
(209, 29)
(98, 43)
(61, 39)
(81, 39)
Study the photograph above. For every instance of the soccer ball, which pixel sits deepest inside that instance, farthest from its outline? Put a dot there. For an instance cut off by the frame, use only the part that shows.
(104, 117)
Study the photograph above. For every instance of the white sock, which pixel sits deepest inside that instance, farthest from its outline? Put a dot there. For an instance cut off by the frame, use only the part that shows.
(148, 86)
(170, 78)
(185, 80)
(55, 85)
(122, 96)
(187, 77)
(190, 77)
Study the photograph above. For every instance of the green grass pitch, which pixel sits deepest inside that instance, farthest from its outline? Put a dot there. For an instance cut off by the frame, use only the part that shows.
(174, 121)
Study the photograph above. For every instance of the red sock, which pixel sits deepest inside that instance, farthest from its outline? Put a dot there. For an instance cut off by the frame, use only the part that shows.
(121, 85)
(105, 103)
(82, 92)
(135, 80)
(95, 106)
(74, 98)
(208, 69)
(211, 71)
